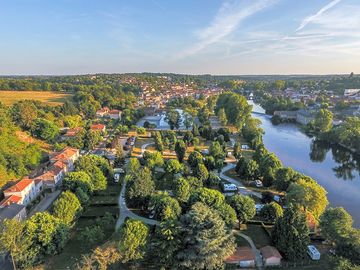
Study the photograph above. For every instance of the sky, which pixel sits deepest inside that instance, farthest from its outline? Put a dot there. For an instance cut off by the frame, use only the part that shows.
(60, 37)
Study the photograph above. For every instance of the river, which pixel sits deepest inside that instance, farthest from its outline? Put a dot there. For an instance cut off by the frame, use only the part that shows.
(335, 169)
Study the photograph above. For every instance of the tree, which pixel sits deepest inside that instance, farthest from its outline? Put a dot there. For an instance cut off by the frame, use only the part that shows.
(341, 263)
(247, 169)
(140, 188)
(133, 239)
(268, 166)
(91, 235)
(173, 166)
(100, 259)
(153, 160)
(291, 234)
(350, 247)
(164, 207)
(188, 121)
(284, 177)
(336, 224)
(45, 129)
(173, 118)
(237, 150)
(201, 172)
(66, 207)
(323, 121)
(244, 207)
(195, 158)
(188, 138)
(80, 179)
(279, 84)
(158, 141)
(133, 166)
(271, 211)
(205, 241)
(182, 190)
(119, 156)
(222, 116)
(309, 195)
(13, 241)
(24, 113)
(92, 138)
(216, 151)
(180, 149)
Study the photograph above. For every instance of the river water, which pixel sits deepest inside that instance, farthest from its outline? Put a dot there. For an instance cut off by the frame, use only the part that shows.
(335, 169)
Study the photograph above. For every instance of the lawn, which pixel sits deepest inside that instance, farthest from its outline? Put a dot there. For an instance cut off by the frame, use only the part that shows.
(49, 98)
(258, 234)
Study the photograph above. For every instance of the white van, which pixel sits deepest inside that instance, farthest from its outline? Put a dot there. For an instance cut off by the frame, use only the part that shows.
(229, 187)
(313, 253)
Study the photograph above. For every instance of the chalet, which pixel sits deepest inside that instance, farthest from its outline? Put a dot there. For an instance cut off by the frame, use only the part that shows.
(271, 256)
(98, 127)
(102, 112)
(25, 189)
(243, 257)
(115, 114)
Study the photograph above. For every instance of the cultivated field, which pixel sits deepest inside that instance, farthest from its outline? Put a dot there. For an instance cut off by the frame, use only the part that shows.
(50, 98)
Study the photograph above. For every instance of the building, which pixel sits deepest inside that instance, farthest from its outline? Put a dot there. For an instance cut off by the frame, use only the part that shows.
(98, 127)
(13, 211)
(24, 189)
(68, 156)
(72, 132)
(271, 256)
(286, 115)
(304, 117)
(102, 112)
(54, 175)
(243, 257)
(115, 114)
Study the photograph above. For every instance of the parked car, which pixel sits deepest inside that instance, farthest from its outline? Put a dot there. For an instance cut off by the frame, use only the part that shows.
(229, 187)
(258, 183)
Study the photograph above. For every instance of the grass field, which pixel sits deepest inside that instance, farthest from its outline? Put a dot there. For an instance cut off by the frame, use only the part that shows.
(49, 98)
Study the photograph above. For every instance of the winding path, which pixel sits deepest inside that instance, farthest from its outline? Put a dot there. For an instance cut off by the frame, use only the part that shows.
(258, 258)
(125, 212)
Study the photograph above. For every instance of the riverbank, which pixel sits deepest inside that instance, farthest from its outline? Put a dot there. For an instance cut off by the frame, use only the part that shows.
(333, 168)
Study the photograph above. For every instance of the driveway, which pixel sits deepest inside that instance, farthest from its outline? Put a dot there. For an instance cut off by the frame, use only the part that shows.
(258, 258)
(45, 203)
(241, 187)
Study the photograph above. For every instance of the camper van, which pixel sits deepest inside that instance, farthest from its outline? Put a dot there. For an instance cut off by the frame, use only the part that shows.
(229, 188)
(313, 253)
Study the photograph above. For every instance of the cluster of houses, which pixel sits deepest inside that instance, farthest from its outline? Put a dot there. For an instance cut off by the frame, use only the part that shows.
(21, 194)
(106, 112)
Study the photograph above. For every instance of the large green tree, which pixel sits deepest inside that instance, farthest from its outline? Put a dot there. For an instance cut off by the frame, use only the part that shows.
(244, 207)
(164, 207)
(140, 188)
(173, 118)
(291, 234)
(133, 240)
(180, 149)
(66, 207)
(205, 240)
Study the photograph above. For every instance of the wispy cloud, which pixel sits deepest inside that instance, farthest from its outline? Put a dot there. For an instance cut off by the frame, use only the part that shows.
(312, 18)
(230, 15)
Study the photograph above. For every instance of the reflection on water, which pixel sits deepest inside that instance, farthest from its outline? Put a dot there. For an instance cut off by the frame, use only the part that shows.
(336, 169)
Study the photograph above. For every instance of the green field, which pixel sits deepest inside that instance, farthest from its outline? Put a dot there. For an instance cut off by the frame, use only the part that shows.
(49, 98)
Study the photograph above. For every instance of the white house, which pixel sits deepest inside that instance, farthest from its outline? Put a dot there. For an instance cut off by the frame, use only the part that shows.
(24, 189)
(271, 256)
(115, 114)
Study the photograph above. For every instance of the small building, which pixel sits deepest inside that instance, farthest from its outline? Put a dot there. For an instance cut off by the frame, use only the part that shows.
(243, 257)
(115, 114)
(13, 211)
(68, 156)
(102, 112)
(98, 127)
(304, 117)
(271, 256)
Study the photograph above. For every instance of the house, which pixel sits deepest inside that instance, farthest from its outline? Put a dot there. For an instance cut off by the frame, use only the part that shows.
(102, 112)
(243, 257)
(271, 256)
(25, 189)
(98, 127)
(12, 199)
(72, 132)
(115, 114)
(287, 115)
(54, 175)
(13, 211)
(68, 156)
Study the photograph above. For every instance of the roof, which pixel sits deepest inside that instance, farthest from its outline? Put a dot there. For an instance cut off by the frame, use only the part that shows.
(114, 112)
(20, 186)
(270, 251)
(241, 254)
(64, 155)
(73, 131)
(97, 127)
(12, 199)
(10, 211)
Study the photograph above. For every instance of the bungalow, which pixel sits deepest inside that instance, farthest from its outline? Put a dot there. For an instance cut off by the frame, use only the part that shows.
(24, 189)
(243, 257)
(98, 127)
(271, 256)
(115, 114)
(102, 112)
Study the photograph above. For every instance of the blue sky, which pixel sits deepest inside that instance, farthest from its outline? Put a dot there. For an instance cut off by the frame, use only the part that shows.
(187, 36)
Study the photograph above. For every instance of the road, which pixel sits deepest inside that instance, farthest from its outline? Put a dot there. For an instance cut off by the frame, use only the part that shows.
(258, 258)
(242, 188)
(45, 203)
(125, 212)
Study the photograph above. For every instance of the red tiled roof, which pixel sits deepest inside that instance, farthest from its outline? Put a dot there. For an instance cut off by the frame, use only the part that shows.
(241, 254)
(20, 186)
(97, 127)
(72, 131)
(270, 251)
(65, 154)
(114, 112)
(9, 200)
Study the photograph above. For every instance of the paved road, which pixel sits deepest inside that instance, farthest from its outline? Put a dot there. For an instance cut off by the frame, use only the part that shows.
(126, 212)
(243, 189)
(45, 202)
(258, 258)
